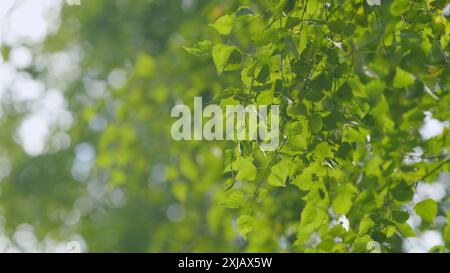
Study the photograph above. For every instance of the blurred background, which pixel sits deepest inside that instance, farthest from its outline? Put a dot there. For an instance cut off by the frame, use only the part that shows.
(86, 158)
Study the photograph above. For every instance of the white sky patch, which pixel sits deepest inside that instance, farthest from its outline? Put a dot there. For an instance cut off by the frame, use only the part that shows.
(98, 123)
(373, 2)
(21, 57)
(62, 65)
(24, 24)
(118, 198)
(27, 21)
(423, 242)
(32, 133)
(25, 240)
(414, 157)
(85, 152)
(8, 73)
(36, 128)
(344, 222)
(5, 7)
(117, 78)
(26, 88)
(446, 11)
(432, 127)
(176, 213)
(60, 141)
(435, 191)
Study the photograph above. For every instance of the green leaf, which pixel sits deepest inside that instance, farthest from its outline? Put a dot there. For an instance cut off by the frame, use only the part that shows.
(399, 7)
(406, 230)
(438, 249)
(290, 5)
(246, 169)
(303, 181)
(410, 37)
(427, 209)
(278, 8)
(279, 173)
(245, 225)
(317, 87)
(322, 151)
(337, 26)
(447, 228)
(226, 58)
(201, 48)
(269, 36)
(5, 51)
(229, 183)
(365, 225)
(244, 11)
(263, 74)
(234, 200)
(145, 65)
(312, 218)
(224, 24)
(291, 48)
(344, 93)
(402, 192)
(402, 78)
(400, 216)
(309, 175)
(296, 136)
(378, 236)
(315, 123)
(292, 22)
(297, 110)
(343, 199)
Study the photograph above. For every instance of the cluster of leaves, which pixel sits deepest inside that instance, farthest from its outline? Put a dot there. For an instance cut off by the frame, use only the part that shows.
(354, 81)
